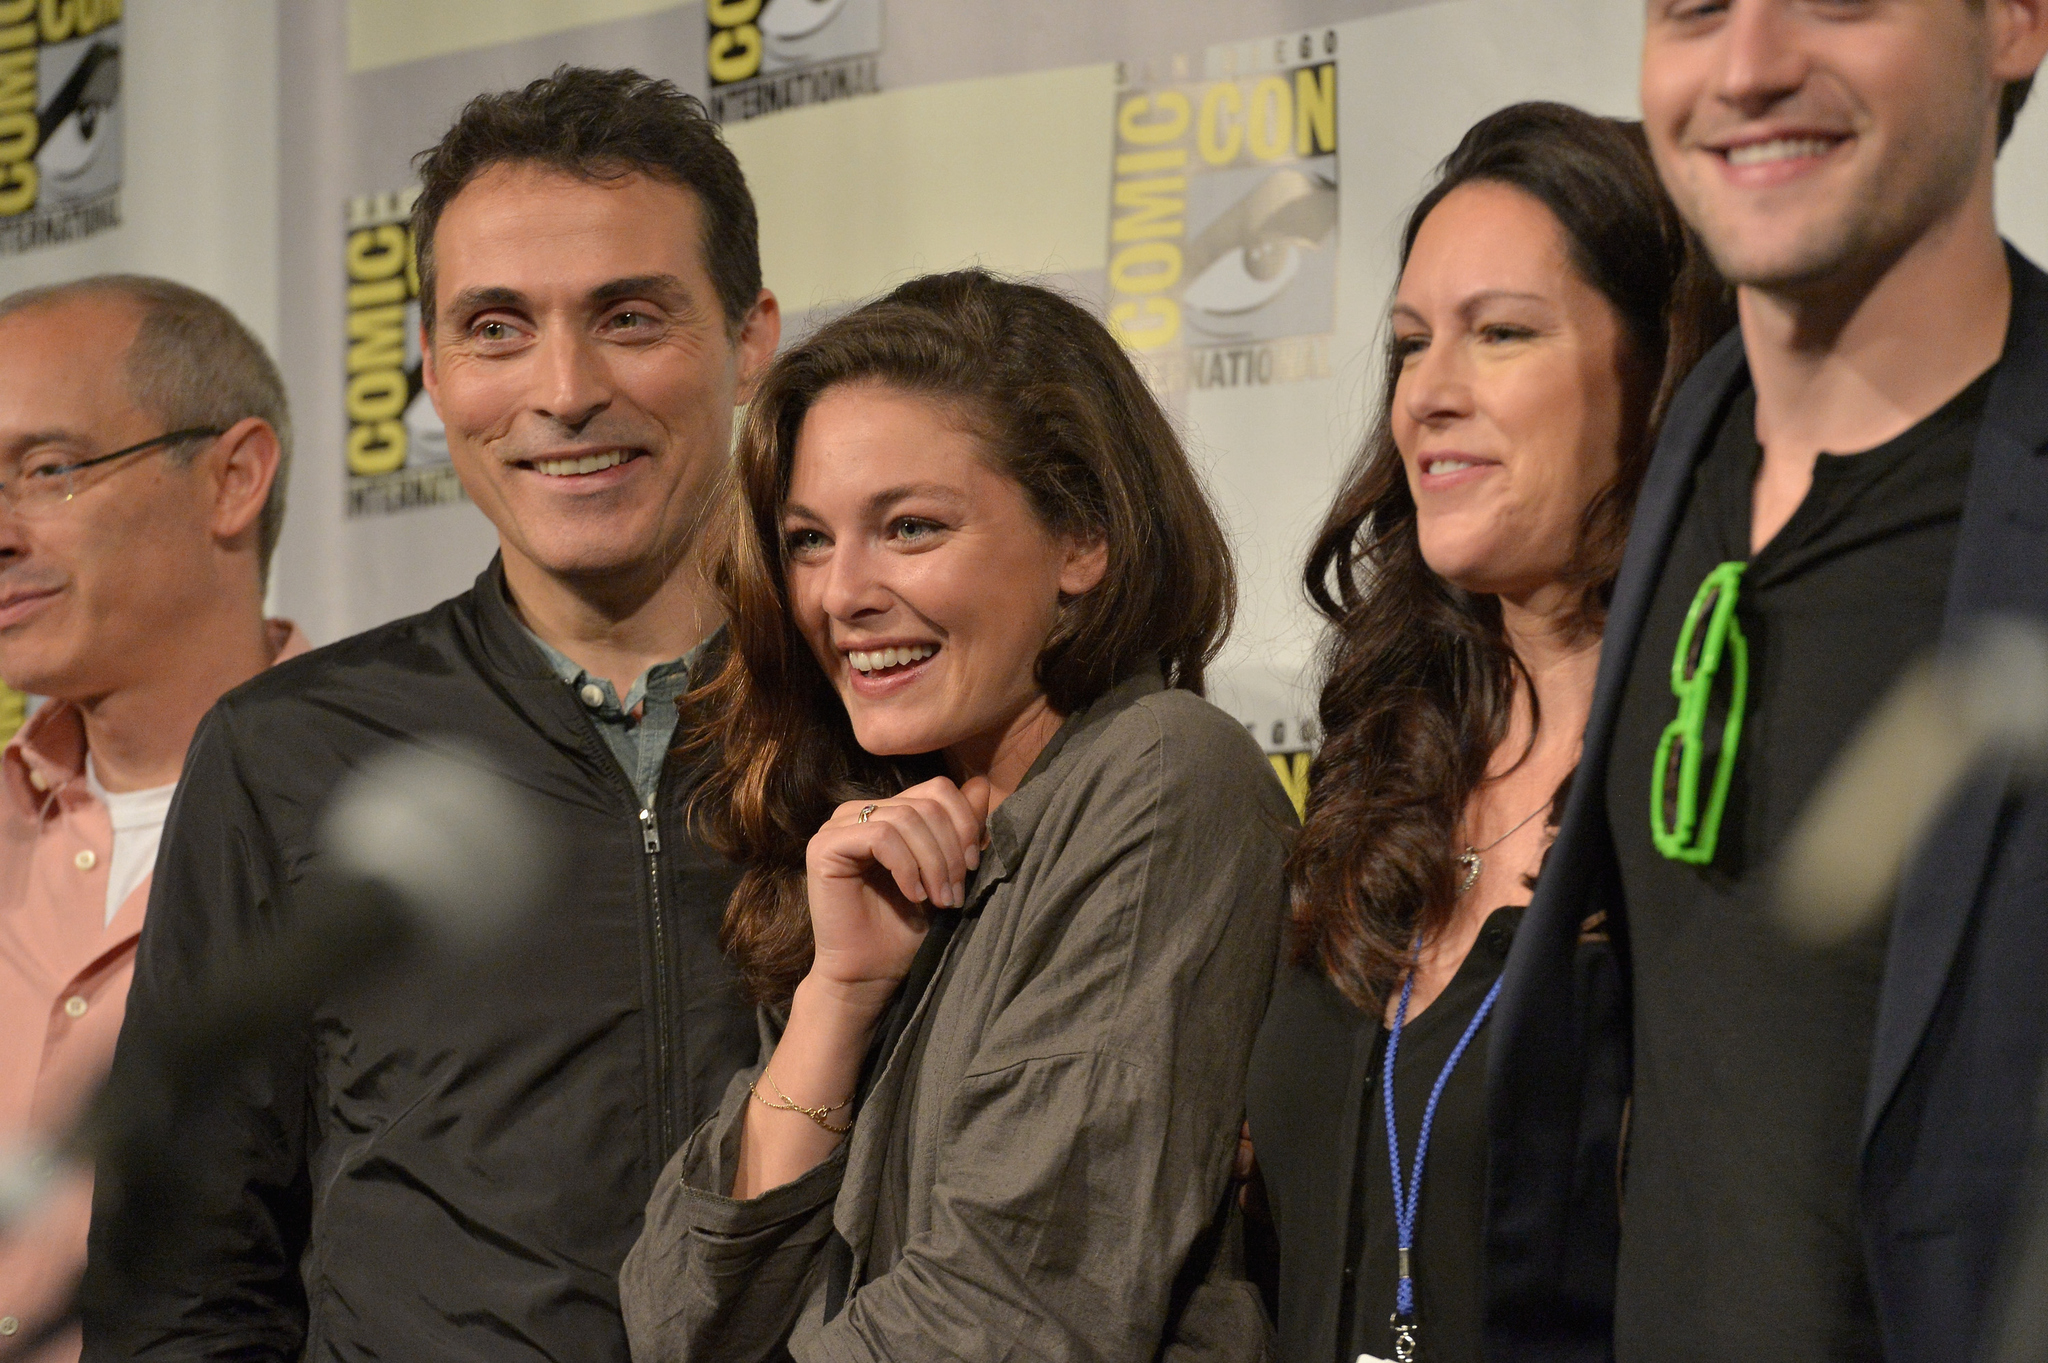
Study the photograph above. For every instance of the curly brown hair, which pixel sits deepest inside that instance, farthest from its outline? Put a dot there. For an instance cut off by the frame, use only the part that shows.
(1420, 679)
(1059, 408)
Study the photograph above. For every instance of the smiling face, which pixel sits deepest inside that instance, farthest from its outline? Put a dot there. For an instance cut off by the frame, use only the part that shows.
(93, 589)
(920, 576)
(1513, 395)
(1806, 138)
(583, 366)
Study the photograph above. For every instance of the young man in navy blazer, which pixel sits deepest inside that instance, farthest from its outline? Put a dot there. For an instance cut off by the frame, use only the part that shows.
(1820, 1147)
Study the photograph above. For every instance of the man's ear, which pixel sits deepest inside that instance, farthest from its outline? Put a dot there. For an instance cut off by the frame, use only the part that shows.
(1087, 561)
(2019, 38)
(243, 468)
(760, 334)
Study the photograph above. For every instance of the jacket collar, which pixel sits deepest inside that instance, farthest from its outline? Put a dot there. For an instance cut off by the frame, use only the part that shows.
(506, 644)
(1011, 827)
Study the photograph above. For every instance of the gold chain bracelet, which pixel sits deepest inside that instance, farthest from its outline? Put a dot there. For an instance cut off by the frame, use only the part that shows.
(789, 1104)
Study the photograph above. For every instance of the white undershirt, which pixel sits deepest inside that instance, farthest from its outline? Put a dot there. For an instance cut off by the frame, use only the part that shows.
(138, 818)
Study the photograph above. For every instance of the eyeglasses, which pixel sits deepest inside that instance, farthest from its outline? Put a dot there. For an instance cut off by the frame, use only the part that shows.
(39, 487)
(1681, 825)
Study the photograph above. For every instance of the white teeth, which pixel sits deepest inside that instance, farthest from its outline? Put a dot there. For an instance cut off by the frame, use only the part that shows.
(588, 463)
(1778, 149)
(1447, 465)
(879, 659)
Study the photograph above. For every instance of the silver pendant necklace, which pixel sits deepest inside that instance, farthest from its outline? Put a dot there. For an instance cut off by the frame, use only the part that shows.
(1470, 858)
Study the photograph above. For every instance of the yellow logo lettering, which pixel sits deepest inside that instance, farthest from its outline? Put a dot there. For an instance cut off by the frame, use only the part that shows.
(1147, 325)
(1292, 769)
(377, 396)
(1315, 110)
(17, 82)
(1143, 162)
(1155, 206)
(59, 18)
(19, 133)
(376, 338)
(17, 189)
(1145, 268)
(1135, 121)
(1216, 149)
(376, 448)
(735, 54)
(1272, 119)
(376, 252)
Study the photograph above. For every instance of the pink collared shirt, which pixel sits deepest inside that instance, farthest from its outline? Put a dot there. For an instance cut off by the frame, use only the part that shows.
(64, 972)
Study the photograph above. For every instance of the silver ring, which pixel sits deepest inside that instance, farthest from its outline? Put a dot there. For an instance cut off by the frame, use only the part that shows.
(867, 811)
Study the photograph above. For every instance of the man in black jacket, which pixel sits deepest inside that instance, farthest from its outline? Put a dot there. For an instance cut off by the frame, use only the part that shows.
(1824, 1142)
(453, 1163)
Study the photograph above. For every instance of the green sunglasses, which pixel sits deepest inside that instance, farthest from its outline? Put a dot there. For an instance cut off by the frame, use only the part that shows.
(1679, 826)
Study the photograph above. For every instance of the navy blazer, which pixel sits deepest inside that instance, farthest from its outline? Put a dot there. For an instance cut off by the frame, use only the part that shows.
(1956, 1061)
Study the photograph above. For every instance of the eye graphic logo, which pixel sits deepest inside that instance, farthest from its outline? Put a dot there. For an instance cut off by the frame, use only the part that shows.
(397, 449)
(60, 120)
(1224, 212)
(1249, 255)
(789, 27)
(767, 55)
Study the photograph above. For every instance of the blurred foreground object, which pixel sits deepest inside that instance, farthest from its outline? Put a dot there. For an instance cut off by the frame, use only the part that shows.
(1949, 712)
(427, 848)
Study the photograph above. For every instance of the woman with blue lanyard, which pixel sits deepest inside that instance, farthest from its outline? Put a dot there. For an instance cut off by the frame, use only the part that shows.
(1549, 302)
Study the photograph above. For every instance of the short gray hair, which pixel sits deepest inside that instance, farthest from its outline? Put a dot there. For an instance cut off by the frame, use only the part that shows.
(192, 364)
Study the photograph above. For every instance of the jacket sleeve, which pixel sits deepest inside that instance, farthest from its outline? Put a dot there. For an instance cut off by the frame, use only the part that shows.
(1089, 1152)
(205, 1264)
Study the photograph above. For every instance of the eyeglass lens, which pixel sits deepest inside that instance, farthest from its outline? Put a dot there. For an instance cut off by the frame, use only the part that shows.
(1703, 625)
(1671, 785)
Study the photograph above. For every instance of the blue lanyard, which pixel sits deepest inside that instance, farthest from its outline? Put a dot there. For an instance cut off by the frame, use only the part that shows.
(1404, 1205)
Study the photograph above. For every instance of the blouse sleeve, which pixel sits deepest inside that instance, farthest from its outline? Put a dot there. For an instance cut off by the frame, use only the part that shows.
(714, 1277)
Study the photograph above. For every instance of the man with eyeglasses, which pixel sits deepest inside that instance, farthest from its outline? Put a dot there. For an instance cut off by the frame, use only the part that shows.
(1824, 1144)
(143, 442)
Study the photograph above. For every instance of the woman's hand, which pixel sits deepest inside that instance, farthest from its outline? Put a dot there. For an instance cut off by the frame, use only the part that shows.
(872, 883)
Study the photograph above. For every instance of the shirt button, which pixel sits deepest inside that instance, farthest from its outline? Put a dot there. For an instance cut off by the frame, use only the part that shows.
(40, 782)
(85, 860)
(593, 694)
(8, 1325)
(76, 1006)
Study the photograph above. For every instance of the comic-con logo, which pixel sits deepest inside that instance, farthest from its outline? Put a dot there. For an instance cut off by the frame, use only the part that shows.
(1223, 221)
(396, 447)
(60, 120)
(765, 55)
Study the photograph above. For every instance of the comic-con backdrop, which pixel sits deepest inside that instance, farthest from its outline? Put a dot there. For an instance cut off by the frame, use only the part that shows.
(1222, 179)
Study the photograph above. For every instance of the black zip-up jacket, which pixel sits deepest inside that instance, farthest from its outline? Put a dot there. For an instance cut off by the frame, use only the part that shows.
(450, 1164)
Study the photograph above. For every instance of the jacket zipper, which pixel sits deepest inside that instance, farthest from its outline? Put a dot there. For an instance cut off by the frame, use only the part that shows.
(650, 841)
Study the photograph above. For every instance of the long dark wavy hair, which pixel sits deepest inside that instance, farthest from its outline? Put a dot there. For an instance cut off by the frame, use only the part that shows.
(1419, 678)
(1057, 406)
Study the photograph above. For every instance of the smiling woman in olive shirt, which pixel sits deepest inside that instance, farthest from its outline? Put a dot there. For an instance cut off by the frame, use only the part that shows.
(1013, 890)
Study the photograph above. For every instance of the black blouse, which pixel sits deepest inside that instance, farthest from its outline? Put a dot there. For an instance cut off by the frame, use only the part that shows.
(1450, 1222)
